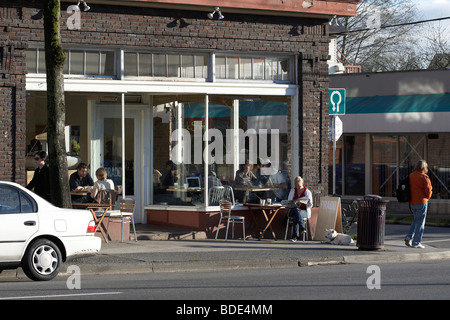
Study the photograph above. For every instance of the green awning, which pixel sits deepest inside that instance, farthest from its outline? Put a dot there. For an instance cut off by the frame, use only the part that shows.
(246, 108)
(399, 104)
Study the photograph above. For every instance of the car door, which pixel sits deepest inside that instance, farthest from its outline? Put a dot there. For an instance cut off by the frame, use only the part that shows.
(18, 222)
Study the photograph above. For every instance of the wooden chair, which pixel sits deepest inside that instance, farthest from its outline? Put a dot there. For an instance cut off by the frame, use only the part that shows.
(225, 215)
(107, 197)
(123, 215)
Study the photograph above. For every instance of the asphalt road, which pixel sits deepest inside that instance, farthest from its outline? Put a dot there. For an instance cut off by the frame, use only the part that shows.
(425, 280)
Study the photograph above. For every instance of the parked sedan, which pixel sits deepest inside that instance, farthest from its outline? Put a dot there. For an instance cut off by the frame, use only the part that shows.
(39, 237)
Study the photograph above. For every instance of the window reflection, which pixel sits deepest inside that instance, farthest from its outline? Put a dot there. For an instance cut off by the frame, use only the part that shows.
(393, 158)
(238, 132)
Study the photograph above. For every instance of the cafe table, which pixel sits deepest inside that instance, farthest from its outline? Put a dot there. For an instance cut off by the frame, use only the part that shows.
(251, 189)
(98, 219)
(269, 212)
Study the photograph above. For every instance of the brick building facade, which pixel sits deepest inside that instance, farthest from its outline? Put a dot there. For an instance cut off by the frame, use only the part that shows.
(297, 35)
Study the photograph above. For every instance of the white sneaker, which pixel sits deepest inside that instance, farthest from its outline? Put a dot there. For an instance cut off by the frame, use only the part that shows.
(419, 246)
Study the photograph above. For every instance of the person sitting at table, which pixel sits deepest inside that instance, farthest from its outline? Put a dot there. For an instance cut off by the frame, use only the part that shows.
(169, 175)
(300, 192)
(78, 182)
(102, 183)
(244, 178)
(275, 180)
(213, 181)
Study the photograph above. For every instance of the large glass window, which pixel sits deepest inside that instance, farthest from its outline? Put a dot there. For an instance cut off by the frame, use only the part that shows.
(253, 68)
(384, 164)
(393, 158)
(78, 62)
(141, 64)
(438, 157)
(244, 142)
(98, 63)
(350, 165)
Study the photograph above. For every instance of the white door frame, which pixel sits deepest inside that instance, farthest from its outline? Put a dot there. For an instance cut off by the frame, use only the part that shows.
(142, 152)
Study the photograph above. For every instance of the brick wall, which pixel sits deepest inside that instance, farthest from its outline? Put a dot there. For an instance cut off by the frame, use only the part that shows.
(118, 26)
(12, 97)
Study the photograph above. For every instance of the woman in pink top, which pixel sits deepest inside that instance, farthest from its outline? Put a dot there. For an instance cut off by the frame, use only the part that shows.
(421, 192)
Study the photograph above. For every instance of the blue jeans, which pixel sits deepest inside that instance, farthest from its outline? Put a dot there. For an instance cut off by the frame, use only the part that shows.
(418, 225)
(298, 225)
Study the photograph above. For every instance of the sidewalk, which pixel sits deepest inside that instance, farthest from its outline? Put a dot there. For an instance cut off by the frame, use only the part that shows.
(195, 253)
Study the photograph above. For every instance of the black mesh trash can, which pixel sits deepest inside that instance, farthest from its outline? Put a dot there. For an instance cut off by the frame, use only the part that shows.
(371, 223)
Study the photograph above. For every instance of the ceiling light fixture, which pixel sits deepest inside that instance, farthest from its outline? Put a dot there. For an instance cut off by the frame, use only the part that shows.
(216, 9)
(85, 6)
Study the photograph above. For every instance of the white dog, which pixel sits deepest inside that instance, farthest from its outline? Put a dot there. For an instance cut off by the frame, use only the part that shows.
(339, 238)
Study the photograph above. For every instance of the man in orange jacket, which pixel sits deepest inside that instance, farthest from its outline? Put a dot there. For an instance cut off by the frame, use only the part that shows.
(421, 191)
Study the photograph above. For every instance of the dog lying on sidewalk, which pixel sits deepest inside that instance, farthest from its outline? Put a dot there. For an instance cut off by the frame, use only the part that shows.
(339, 238)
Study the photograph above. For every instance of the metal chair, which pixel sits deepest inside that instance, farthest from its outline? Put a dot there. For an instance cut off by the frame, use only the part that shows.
(290, 221)
(225, 215)
(126, 212)
(215, 195)
(228, 194)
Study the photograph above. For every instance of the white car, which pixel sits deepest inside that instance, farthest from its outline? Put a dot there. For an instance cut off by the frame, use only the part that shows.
(39, 237)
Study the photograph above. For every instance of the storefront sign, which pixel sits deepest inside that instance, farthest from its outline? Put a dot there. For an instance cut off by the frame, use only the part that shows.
(329, 217)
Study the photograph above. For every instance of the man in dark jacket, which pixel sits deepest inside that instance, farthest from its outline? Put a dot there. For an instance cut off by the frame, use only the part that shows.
(78, 181)
(41, 178)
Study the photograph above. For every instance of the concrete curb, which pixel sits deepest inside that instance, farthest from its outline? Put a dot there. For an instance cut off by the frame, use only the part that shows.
(224, 265)
(396, 258)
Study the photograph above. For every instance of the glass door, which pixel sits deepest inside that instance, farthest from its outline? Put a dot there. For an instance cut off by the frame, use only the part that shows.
(107, 150)
(111, 156)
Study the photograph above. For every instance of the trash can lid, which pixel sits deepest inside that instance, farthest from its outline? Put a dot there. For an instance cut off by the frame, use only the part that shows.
(372, 197)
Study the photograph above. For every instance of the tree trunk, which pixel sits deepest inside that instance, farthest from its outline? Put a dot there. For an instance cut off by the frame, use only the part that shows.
(56, 109)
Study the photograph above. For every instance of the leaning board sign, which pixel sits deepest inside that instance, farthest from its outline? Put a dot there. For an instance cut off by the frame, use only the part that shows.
(336, 101)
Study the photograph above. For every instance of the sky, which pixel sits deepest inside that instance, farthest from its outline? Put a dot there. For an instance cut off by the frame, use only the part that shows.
(432, 9)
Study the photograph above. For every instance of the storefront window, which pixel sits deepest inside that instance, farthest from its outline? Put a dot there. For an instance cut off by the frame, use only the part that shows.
(439, 164)
(78, 62)
(384, 164)
(354, 164)
(350, 165)
(393, 158)
(227, 137)
(252, 68)
(140, 64)
(264, 146)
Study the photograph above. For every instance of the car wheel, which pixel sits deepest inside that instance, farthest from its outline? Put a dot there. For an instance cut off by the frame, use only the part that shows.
(42, 260)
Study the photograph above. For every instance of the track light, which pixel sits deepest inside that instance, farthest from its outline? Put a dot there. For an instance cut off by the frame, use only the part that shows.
(85, 6)
(211, 15)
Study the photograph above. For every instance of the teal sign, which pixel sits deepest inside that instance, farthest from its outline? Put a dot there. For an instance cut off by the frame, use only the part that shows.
(336, 101)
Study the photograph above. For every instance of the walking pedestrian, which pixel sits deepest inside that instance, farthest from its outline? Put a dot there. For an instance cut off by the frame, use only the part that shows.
(421, 191)
(41, 178)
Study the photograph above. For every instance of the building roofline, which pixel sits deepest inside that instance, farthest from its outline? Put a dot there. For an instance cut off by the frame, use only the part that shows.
(301, 8)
